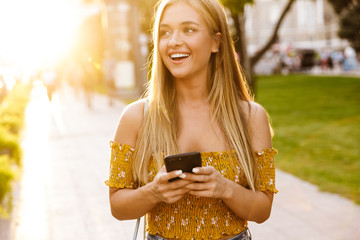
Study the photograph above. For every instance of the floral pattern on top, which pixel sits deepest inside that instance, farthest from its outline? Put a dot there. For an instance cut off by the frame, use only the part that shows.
(266, 168)
(120, 175)
(194, 217)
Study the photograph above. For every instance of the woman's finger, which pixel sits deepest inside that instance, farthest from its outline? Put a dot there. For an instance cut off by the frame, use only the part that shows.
(198, 186)
(176, 193)
(164, 177)
(204, 170)
(194, 178)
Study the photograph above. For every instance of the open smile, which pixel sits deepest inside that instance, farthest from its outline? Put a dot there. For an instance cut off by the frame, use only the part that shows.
(179, 56)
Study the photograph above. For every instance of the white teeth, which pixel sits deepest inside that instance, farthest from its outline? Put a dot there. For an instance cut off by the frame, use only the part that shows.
(179, 55)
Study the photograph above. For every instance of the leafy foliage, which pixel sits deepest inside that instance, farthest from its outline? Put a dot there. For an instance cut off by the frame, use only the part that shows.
(236, 6)
(350, 26)
(340, 5)
(9, 145)
(12, 111)
(349, 14)
(6, 175)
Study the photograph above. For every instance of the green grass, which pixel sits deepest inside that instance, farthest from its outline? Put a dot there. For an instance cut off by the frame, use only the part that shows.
(316, 120)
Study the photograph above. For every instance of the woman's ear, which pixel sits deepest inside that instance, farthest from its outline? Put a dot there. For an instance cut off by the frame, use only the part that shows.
(216, 42)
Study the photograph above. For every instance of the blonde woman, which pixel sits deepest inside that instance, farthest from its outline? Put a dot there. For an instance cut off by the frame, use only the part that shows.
(197, 100)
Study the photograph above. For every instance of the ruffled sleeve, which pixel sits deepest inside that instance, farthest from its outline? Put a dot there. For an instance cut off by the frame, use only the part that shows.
(266, 170)
(120, 175)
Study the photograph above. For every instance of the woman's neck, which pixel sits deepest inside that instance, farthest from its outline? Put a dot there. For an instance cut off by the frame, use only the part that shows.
(192, 91)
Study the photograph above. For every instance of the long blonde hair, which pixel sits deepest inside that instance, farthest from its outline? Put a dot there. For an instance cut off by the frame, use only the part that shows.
(226, 87)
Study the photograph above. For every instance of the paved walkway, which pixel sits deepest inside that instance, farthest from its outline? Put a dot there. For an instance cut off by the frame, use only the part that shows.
(66, 160)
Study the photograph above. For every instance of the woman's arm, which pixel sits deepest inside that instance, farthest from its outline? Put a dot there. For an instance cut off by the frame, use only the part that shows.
(123, 199)
(134, 203)
(128, 203)
(247, 204)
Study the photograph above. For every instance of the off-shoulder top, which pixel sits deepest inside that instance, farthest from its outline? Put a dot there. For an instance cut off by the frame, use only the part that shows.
(194, 217)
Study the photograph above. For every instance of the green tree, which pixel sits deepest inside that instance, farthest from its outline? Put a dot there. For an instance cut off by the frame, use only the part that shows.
(237, 8)
(349, 20)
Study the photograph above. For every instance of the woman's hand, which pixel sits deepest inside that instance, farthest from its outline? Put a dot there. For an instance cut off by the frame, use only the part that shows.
(165, 191)
(206, 182)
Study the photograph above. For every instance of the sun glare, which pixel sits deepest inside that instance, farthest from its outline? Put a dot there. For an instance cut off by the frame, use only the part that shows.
(38, 32)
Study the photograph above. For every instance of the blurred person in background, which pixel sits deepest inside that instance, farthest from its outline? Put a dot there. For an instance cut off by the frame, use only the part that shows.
(350, 61)
(197, 100)
(89, 80)
(109, 64)
(49, 77)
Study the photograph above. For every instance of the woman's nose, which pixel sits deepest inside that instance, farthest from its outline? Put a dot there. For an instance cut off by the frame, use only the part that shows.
(175, 40)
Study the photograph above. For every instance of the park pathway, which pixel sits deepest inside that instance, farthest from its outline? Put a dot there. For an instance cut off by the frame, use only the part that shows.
(66, 158)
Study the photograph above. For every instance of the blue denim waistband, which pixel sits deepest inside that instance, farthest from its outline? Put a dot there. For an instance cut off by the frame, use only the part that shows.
(244, 235)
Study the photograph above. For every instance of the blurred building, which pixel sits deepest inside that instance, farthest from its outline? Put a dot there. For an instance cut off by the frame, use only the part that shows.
(310, 24)
(124, 63)
(120, 20)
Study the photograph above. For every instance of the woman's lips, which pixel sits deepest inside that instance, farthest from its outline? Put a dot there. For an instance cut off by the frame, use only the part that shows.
(179, 55)
(178, 58)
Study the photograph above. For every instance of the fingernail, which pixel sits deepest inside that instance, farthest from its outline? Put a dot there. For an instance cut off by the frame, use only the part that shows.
(182, 176)
(195, 170)
(178, 172)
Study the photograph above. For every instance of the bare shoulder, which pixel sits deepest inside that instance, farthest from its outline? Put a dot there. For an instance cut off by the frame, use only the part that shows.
(253, 110)
(259, 126)
(130, 122)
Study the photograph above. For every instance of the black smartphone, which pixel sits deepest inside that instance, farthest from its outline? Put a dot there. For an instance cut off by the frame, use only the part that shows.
(183, 161)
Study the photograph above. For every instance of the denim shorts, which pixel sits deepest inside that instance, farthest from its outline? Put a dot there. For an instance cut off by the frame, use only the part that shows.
(244, 235)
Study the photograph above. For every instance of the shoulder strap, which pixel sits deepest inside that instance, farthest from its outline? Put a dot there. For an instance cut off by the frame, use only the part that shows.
(146, 105)
(136, 229)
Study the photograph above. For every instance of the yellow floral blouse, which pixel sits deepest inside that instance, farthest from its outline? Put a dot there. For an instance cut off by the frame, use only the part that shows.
(194, 217)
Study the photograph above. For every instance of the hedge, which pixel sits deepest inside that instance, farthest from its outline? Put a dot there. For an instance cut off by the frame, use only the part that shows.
(12, 113)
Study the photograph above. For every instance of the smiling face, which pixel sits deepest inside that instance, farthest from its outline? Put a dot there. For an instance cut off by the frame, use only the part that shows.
(185, 42)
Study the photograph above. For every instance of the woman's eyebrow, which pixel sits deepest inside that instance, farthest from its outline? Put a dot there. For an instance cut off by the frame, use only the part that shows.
(189, 23)
(183, 23)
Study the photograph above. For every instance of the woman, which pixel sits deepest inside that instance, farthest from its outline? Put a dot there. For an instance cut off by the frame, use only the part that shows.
(197, 100)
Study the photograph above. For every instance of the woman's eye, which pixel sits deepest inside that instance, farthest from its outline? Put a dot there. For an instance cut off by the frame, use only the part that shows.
(164, 33)
(189, 30)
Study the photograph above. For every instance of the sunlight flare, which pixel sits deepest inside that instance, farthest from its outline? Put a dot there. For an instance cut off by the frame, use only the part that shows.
(38, 32)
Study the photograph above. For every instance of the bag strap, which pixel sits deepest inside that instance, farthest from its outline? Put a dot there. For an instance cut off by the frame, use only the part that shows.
(146, 104)
(145, 226)
(136, 229)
